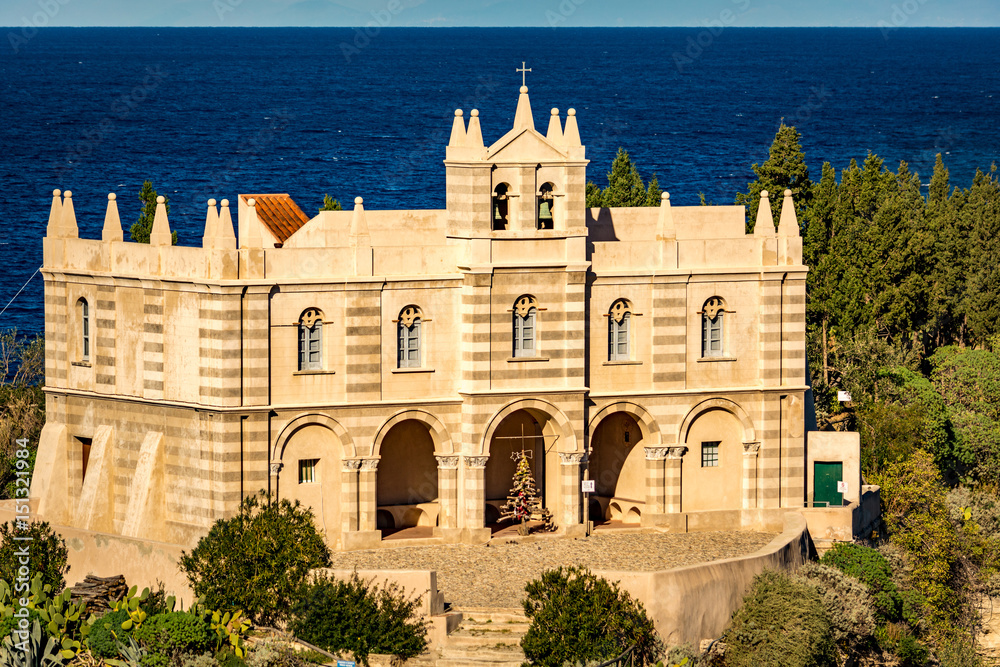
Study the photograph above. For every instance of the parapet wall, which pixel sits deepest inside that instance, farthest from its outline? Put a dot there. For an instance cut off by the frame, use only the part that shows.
(688, 604)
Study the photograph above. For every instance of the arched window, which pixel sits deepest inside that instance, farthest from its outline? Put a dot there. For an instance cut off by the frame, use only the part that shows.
(311, 340)
(619, 322)
(712, 329)
(501, 207)
(84, 329)
(408, 329)
(525, 331)
(546, 203)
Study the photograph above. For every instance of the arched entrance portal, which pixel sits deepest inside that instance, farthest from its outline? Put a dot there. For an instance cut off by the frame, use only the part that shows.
(618, 468)
(311, 473)
(532, 431)
(407, 480)
(711, 473)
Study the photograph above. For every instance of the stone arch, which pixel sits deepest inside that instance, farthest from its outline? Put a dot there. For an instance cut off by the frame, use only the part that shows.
(567, 440)
(439, 432)
(749, 432)
(647, 423)
(350, 451)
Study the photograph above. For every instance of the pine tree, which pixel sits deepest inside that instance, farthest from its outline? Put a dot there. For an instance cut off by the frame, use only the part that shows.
(653, 192)
(625, 187)
(523, 503)
(595, 198)
(330, 204)
(784, 169)
(143, 227)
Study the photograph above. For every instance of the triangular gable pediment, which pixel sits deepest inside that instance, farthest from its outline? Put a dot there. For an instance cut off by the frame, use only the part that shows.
(525, 145)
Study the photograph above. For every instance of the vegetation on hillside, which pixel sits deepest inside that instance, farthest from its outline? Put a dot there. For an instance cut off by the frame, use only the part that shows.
(22, 408)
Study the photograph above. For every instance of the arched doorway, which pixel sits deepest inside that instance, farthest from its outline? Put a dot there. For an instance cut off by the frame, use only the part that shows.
(531, 431)
(712, 469)
(406, 486)
(311, 473)
(618, 468)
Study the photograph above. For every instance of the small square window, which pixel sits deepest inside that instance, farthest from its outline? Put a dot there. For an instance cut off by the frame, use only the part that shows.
(307, 471)
(710, 455)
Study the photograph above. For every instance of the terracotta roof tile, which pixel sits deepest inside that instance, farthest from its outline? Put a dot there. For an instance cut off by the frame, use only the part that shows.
(280, 214)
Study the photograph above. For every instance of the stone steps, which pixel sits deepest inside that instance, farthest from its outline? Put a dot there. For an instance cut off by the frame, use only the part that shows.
(490, 637)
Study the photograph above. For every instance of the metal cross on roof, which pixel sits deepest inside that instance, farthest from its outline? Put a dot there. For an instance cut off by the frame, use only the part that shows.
(524, 73)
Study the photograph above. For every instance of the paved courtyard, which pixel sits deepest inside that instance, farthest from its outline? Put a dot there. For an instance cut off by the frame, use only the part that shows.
(494, 575)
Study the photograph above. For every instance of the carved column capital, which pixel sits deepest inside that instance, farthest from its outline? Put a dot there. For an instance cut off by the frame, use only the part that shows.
(476, 461)
(447, 462)
(676, 452)
(571, 458)
(369, 464)
(656, 453)
(350, 465)
(276, 467)
(751, 448)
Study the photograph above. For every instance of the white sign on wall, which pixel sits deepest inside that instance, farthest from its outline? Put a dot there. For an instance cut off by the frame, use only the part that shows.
(844, 396)
(841, 487)
(588, 486)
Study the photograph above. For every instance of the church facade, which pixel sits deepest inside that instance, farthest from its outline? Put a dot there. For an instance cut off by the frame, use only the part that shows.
(383, 366)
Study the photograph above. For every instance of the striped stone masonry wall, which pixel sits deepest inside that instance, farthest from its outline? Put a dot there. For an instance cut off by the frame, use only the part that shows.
(793, 331)
(793, 477)
(349, 506)
(56, 331)
(220, 349)
(770, 456)
(769, 330)
(103, 339)
(575, 332)
(656, 479)
(473, 477)
(448, 490)
(152, 346)
(670, 320)
(367, 500)
(363, 338)
(570, 473)
(475, 332)
(256, 343)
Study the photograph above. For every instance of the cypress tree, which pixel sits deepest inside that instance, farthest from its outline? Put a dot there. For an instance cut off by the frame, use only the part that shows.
(784, 169)
(143, 227)
(653, 192)
(625, 187)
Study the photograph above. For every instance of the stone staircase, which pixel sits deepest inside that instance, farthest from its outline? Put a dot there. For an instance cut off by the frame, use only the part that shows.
(490, 637)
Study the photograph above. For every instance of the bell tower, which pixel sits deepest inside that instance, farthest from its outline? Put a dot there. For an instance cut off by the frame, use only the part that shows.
(524, 186)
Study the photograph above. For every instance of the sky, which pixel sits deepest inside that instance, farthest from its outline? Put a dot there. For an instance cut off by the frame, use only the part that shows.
(500, 13)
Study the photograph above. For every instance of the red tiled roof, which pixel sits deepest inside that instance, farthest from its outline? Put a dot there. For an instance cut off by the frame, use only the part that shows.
(280, 214)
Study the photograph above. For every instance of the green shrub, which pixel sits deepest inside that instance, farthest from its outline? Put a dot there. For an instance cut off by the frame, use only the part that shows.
(847, 602)
(577, 616)
(107, 632)
(959, 653)
(47, 553)
(226, 658)
(782, 622)
(256, 560)
(168, 636)
(910, 652)
(353, 615)
(871, 568)
(268, 654)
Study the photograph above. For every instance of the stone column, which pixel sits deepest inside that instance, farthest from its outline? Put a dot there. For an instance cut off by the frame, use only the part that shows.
(750, 450)
(673, 479)
(349, 495)
(570, 466)
(474, 492)
(274, 479)
(656, 480)
(367, 500)
(447, 491)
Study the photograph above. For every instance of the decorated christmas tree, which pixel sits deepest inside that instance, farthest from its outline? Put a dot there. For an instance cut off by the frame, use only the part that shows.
(523, 503)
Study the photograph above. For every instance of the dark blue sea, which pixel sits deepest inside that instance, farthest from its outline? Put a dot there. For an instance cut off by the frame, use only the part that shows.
(215, 112)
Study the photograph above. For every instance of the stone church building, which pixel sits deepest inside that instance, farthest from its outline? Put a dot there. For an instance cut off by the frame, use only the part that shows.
(382, 366)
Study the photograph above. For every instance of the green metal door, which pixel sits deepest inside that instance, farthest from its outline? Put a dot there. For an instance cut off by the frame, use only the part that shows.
(825, 478)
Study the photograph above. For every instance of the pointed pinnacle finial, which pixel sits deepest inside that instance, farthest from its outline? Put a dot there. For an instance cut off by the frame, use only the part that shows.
(522, 117)
(457, 130)
(67, 218)
(211, 226)
(112, 222)
(253, 237)
(55, 215)
(226, 237)
(161, 226)
(666, 222)
(571, 135)
(764, 225)
(474, 137)
(555, 133)
(788, 224)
